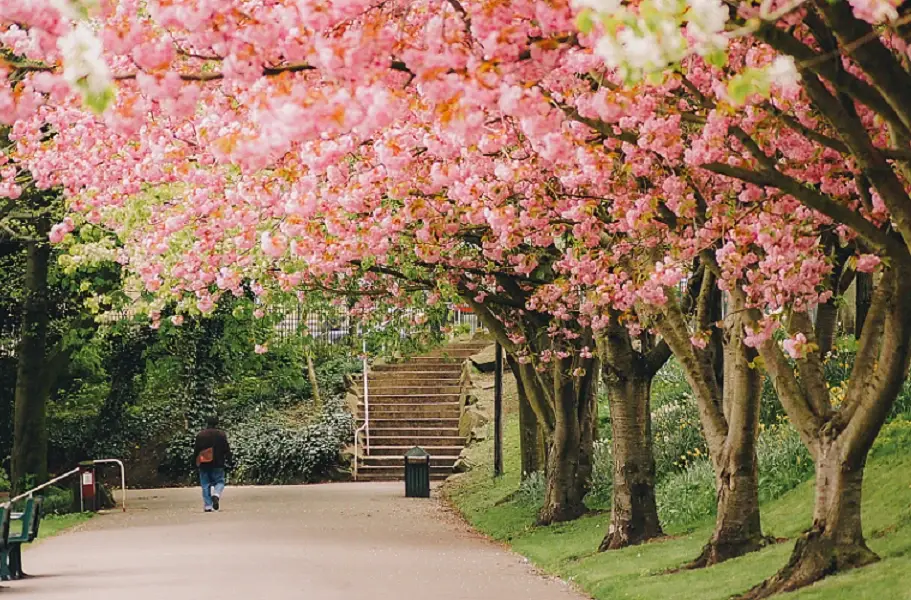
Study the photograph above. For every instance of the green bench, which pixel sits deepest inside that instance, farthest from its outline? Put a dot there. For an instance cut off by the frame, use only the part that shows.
(11, 551)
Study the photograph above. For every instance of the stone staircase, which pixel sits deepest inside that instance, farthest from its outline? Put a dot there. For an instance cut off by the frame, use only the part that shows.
(415, 403)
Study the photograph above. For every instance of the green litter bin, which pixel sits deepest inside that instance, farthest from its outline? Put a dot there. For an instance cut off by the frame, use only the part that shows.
(417, 473)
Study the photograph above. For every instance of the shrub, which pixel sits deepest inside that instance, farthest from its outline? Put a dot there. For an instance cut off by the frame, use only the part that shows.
(57, 501)
(602, 476)
(275, 451)
(531, 491)
(784, 462)
(687, 497)
(677, 435)
(4, 481)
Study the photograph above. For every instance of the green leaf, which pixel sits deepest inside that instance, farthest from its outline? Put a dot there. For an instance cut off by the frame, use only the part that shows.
(585, 22)
(98, 103)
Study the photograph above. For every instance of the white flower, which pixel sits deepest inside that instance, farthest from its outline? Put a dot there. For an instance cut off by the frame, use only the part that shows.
(84, 67)
(599, 6)
(76, 10)
(783, 72)
(609, 51)
(710, 16)
(642, 52)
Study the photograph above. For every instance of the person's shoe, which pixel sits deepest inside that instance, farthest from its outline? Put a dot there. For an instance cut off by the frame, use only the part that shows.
(215, 502)
(208, 509)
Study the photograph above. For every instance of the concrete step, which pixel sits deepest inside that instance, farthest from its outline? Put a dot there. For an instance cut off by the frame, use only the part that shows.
(411, 423)
(423, 367)
(399, 451)
(405, 411)
(413, 390)
(399, 462)
(410, 440)
(383, 474)
(411, 399)
(381, 375)
(377, 428)
(398, 379)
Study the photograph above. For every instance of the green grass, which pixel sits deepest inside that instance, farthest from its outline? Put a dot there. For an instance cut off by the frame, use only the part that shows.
(53, 524)
(569, 550)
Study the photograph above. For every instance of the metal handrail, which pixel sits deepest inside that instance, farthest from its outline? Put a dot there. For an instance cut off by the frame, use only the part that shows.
(365, 428)
(31, 492)
(123, 478)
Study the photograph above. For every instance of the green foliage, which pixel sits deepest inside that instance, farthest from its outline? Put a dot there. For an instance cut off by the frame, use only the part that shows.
(531, 491)
(687, 497)
(274, 451)
(784, 462)
(602, 488)
(57, 501)
(4, 481)
(894, 440)
(677, 435)
(650, 570)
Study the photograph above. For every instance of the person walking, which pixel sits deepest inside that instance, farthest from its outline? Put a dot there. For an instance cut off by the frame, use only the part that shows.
(212, 456)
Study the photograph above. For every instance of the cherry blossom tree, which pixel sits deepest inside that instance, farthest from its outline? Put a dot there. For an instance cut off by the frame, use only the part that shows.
(748, 147)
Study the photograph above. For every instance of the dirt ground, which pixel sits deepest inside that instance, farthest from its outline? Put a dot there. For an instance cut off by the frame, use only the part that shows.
(327, 542)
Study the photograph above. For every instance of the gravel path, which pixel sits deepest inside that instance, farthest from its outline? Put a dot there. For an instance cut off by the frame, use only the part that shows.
(326, 542)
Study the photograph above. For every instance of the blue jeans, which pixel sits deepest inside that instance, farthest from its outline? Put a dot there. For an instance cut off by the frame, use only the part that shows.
(211, 479)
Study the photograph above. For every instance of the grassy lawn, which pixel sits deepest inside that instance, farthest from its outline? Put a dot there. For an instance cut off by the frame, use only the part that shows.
(569, 550)
(53, 525)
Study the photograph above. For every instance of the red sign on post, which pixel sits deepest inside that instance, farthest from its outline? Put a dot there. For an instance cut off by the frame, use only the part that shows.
(87, 486)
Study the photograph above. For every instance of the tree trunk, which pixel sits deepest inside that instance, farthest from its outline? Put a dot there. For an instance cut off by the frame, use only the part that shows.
(634, 513)
(531, 448)
(571, 449)
(29, 459)
(738, 529)
(863, 283)
(826, 326)
(835, 542)
(848, 309)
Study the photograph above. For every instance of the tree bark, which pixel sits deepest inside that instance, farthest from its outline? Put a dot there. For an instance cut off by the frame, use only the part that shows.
(634, 511)
(840, 440)
(531, 448)
(738, 529)
(571, 450)
(29, 459)
(729, 413)
(627, 376)
(561, 393)
(835, 542)
(826, 326)
(864, 296)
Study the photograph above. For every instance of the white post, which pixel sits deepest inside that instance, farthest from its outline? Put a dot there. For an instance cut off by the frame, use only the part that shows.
(366, 399)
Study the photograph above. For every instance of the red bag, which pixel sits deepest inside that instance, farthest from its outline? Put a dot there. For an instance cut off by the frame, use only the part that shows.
(205, 457)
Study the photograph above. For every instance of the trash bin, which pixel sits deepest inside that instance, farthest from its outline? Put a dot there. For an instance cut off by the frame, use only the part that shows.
(417, 473)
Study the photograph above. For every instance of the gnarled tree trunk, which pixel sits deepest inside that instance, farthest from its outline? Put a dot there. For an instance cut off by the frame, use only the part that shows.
(840, 439)
(729, 413)
(738, 530)
(531, 439)
(29, 458)
(634, 510)
(835, 542)
(570, 449)
(561, 393)
(627, 376)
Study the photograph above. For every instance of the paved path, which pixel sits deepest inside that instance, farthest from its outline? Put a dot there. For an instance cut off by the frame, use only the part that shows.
(328, 542)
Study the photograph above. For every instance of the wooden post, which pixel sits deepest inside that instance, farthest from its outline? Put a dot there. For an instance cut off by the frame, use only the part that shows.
(498, 413)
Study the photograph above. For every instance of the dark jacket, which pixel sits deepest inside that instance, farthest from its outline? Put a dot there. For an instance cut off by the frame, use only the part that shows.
(218, 441)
